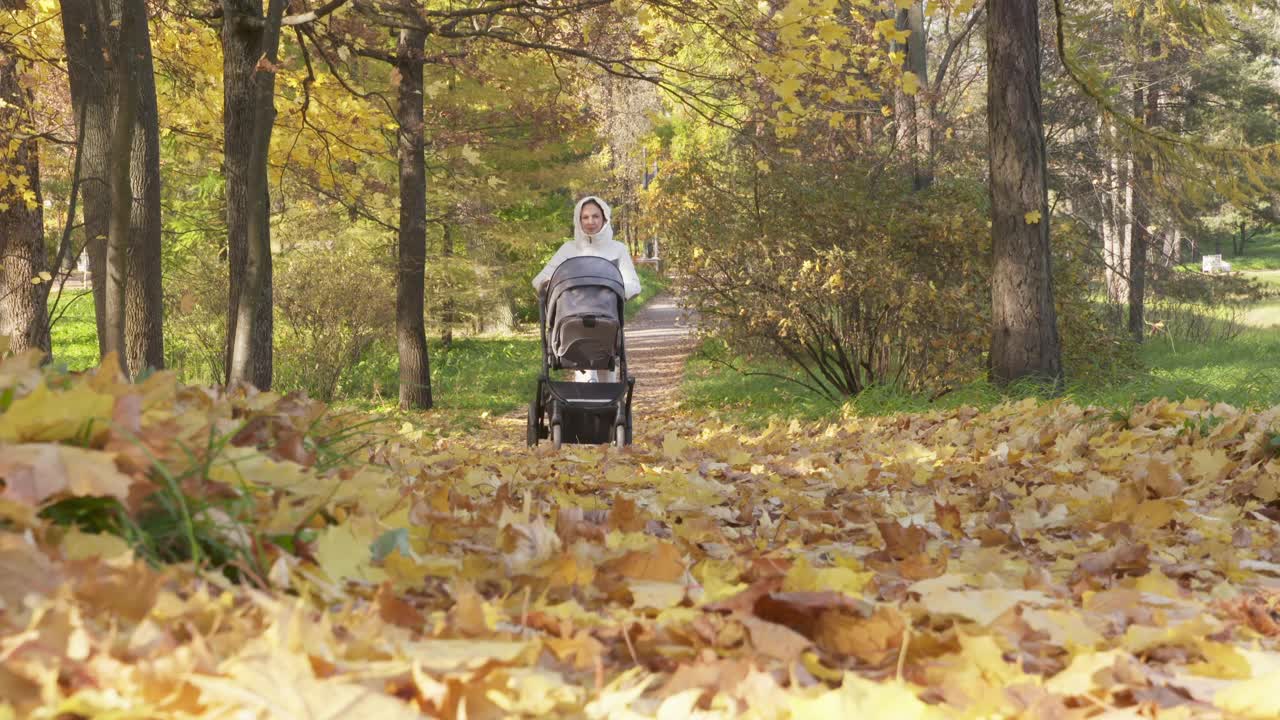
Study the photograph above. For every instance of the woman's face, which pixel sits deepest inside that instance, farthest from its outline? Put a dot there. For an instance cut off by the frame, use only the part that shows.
(592, 219)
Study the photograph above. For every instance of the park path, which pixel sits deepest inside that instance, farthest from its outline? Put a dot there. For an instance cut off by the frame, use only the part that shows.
(659, 340)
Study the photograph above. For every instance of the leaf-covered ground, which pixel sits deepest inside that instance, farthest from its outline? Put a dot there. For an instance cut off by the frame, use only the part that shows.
(1040, 561)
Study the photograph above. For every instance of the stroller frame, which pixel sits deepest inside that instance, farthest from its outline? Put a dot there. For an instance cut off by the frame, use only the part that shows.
(580, 412)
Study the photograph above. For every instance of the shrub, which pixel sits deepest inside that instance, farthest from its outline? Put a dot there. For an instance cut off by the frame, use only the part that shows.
(195, 319)
(1189, 308)
(847, 273)
(332, 305)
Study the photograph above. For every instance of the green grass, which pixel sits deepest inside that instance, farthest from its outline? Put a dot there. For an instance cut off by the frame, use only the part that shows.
(1262, 253)
(474, 378)
(1269, 278)
(493, 374)
(712, 380)
(1242, 372)
(1265, 315)
(75, 332)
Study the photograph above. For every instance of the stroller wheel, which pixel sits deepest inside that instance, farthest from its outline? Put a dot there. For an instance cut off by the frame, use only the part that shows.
(555, 436)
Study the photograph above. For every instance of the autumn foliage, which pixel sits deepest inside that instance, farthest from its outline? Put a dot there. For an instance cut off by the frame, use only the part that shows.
(1032, 561)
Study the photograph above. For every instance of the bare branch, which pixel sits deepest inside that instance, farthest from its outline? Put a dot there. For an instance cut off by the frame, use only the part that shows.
(312, 15)
(955, 43)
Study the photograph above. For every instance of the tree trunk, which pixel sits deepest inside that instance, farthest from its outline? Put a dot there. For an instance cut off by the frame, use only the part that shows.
(1114, 225)
(411, 334)
(250, 44)
(24, 316)
(124, 18)
(1024, 339)
(906, 138)
(84, 27)
(1124, 220)
(1174, 249)
(144, 295)
(448, 315)
(1145, 104)
(917, 61)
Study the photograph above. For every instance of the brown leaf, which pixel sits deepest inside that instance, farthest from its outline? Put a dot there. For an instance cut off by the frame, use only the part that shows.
(625, 516)
(776, 641)
(581, 650)
(1163, 480)
(662, 563)
(467, 614)
(393, 609)
(744, 603)
(126, 416)
(1260, 611)
(902, 541)
(918, 566)
(712, 676)
(290, 446)
(801, 611)
(949, 518)
(874, 640)
(25, 570)
(1125, 558)
(35, 472)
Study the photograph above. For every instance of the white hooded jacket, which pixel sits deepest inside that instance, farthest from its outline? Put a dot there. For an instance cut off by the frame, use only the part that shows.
(601, 244)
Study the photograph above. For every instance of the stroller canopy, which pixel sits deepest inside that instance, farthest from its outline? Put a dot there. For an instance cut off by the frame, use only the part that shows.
(584, 313)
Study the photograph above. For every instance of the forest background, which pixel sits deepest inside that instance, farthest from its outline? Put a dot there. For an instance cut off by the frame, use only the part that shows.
(781, 157)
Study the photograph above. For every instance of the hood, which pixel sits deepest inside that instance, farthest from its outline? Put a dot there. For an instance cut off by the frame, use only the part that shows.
(606, 232)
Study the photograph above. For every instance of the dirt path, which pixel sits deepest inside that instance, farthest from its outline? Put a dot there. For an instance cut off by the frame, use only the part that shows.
(659, 340)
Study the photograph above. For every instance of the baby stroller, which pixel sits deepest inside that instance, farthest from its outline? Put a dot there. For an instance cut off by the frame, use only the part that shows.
(580, 316)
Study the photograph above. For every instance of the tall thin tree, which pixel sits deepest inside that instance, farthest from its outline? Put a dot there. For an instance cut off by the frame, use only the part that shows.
(411, 333)
(250, 45)
(250, 54)
(84, 27)
(1024, 338)
(23, 303)
(144, 294)
(119, 233)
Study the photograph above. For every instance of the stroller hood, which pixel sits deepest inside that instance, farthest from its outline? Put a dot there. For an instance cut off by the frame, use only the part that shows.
(584, 313)
(582, 271)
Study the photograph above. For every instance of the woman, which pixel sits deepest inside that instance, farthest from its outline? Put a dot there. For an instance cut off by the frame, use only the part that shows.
(593, 235)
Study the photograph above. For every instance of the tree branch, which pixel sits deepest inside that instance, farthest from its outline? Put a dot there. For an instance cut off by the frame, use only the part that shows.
(312, 15)
(954, 44)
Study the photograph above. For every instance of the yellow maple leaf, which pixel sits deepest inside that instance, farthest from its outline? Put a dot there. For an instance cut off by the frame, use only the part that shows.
(35, 472)
(49, 416)
(804, 577)
(910, 83)
(673, 446)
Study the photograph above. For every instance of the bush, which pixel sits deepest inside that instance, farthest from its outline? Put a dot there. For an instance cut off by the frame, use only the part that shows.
(846, 272)
(195, 319)
(1096, 345)
(332, 305)
(1194, 308)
